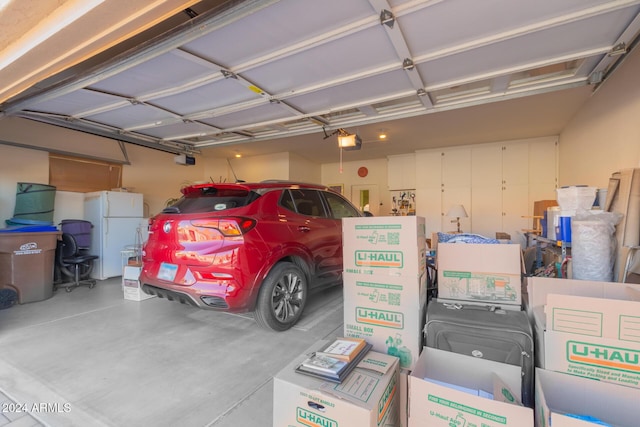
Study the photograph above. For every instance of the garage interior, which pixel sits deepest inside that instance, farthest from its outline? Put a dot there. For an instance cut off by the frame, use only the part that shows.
(258, 90)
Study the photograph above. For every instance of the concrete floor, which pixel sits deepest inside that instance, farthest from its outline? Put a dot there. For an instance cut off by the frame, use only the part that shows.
(91, 358)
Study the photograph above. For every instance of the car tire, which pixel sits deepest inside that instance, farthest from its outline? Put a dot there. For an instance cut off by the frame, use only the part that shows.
(282, 297)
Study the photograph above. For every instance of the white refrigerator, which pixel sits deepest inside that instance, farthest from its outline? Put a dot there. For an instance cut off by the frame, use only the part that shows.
(117, 219)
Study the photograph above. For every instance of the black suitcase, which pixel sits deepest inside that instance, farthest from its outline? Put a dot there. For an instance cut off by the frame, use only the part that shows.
(484, 331)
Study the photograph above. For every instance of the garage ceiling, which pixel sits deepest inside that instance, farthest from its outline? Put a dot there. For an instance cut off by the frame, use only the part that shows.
(251, 72)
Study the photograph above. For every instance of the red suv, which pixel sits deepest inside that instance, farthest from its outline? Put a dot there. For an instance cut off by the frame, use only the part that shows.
(247, 247)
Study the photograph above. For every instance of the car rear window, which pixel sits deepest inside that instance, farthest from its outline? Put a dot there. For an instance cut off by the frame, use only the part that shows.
(211, 199)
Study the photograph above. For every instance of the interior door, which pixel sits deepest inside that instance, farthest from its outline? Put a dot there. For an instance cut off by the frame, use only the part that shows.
(366, 194)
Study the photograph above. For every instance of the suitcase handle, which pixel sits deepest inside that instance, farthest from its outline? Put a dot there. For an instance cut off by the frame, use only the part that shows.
(491, 308)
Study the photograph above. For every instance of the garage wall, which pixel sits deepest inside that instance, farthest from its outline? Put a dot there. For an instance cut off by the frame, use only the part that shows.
(376, 180)
(604, 136)
(152, 172)
(301, 169)
(19, 165)
(259, 168)
(215, 169)
(156, 175)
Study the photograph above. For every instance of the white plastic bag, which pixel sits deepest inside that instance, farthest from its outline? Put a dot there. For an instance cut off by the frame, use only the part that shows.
(593, 244)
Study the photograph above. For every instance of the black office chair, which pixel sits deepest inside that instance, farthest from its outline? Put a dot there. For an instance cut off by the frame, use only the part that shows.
(72, 262)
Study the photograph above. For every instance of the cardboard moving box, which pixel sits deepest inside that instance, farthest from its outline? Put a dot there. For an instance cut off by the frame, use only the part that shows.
(441, 386)
(368, 397)
(131, 284)
(480, 272)
(560, 395)
(594, 336)
(388, 312)
(390, 245)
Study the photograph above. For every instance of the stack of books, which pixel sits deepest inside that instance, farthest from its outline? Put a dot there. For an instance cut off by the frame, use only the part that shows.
(336, 360)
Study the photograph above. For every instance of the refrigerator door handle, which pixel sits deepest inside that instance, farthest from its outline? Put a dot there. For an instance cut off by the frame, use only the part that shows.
(106, 204)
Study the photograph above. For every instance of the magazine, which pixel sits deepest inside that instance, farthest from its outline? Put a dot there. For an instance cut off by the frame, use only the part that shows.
(343, 348)
(329, 368)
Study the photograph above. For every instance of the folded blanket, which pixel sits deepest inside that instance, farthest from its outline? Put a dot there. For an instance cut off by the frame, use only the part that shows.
(464, 238)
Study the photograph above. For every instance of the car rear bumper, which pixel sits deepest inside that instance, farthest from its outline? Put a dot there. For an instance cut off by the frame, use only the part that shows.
(206, 295)
(181, 297)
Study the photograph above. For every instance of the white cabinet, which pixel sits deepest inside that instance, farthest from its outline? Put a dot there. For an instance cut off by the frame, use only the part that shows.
(543, 170)
(443, 178)
(429, 189)
(497, 184)
(500, 192)
(456, 186)
(506, 180)
(401, 172)
(487, 184)
(515, 195)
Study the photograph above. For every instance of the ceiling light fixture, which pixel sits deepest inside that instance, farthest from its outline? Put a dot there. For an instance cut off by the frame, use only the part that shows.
(69, 12)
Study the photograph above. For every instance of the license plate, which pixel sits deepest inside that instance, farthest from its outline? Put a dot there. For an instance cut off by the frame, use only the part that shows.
(167, 271)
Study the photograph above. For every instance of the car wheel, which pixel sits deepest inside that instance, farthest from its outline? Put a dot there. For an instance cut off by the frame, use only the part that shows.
(282, 297)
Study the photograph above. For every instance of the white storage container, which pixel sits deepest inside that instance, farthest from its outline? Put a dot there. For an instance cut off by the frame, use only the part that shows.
(575, 198)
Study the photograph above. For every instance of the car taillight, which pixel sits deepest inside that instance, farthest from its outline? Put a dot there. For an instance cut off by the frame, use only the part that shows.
(227, 226)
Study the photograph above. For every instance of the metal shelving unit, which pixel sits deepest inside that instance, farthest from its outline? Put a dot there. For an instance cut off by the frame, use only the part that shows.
(542, 242)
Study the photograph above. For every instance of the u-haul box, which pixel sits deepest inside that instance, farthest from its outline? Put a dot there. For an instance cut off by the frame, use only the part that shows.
(386, 245)
(569, 401)
(368, 396)
(480, 272)
(602, 359)
(594, 336)
(388, 312)
(538, 288)
(450, 389)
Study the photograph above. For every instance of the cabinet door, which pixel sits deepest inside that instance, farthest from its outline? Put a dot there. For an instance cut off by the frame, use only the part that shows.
(429, 206)
(543, 170)
(486, 190)
(515, 164)
(428, 169)
(515, 206)
(456, 168)
(429, 189)
(515, 195)
(401, 172)
(456, 186)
